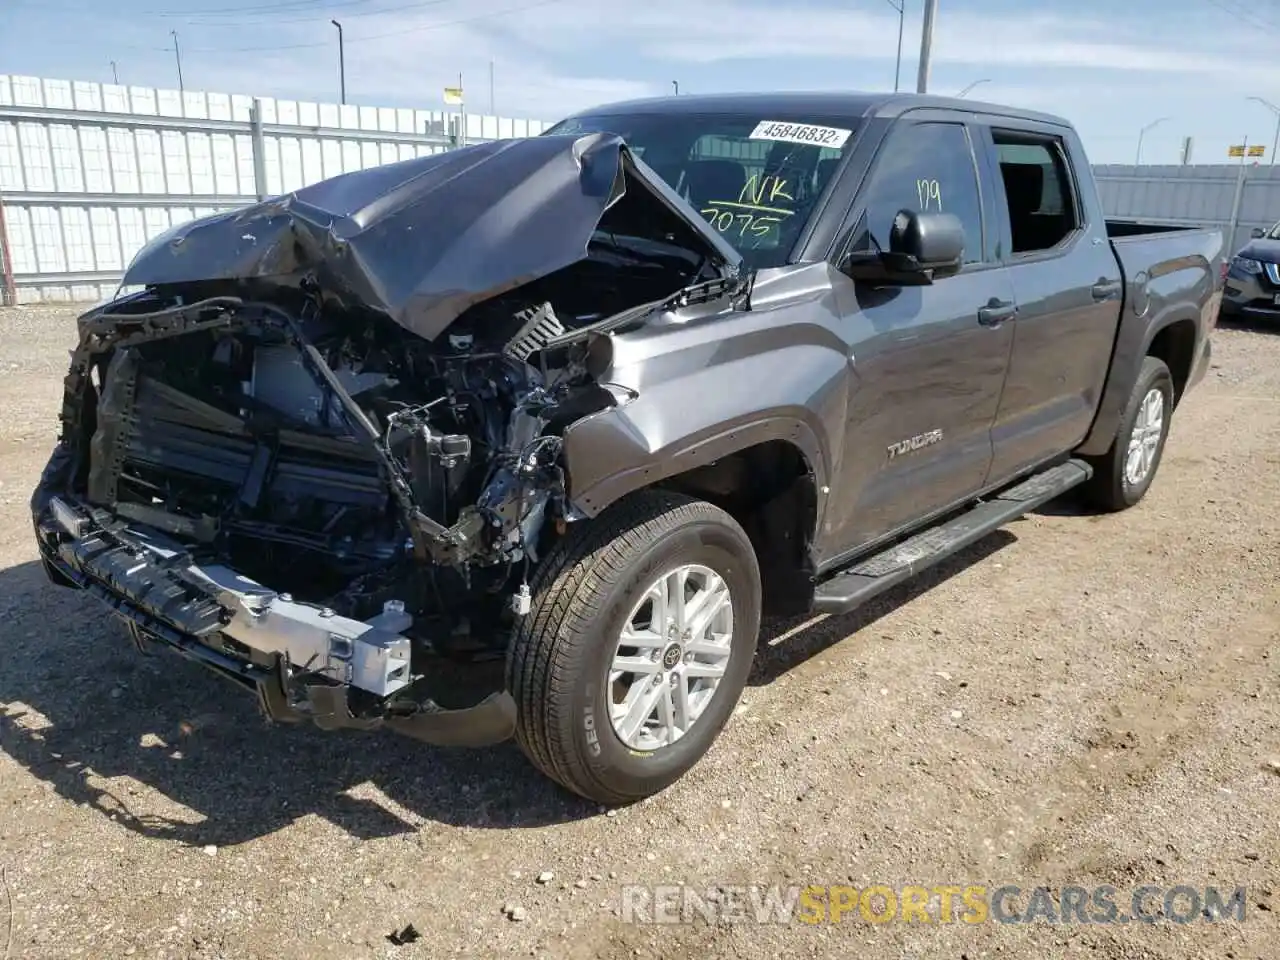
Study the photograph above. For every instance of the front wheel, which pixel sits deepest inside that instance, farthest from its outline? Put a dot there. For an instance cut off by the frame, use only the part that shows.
(1123, 475)
(637, 647)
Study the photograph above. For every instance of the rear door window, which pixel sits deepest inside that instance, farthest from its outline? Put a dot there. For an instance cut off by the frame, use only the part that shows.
(1038, 192)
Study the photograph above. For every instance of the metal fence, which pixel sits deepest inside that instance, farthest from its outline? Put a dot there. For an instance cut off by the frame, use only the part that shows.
(90, 172)
(1233, 197)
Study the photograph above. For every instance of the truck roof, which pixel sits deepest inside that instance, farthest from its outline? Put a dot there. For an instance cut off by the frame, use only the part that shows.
(858, 104)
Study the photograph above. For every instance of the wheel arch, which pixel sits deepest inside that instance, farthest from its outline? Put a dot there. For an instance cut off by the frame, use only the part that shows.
(1171, 334)
(768, 472)
(1175, 343)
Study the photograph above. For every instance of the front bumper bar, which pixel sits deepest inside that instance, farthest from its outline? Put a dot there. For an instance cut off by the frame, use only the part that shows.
(304, 662)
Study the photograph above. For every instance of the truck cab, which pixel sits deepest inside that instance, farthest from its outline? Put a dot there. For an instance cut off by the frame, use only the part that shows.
(964, 377)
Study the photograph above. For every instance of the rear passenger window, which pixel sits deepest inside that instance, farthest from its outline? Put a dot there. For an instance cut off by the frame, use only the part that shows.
(1037, 188)
(926, 167)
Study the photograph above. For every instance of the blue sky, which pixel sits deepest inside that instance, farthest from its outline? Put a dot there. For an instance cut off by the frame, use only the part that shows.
(1110, 67)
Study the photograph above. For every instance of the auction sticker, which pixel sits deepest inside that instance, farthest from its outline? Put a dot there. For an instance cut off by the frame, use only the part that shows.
(800, 133)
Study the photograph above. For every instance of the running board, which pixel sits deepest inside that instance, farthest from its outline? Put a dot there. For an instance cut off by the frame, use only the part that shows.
(887, 569)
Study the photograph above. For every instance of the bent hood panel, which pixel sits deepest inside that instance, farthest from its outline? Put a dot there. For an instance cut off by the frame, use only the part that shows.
(424, 239)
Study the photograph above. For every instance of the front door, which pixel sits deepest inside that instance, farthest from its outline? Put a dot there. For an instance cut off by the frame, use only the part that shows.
(929, 361)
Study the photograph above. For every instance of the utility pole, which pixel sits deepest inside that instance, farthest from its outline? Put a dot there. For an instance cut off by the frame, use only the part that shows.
(926, 45)
(493, 111)
(115, 75)
(901, 7)
(1239, 196)
(1275, 143)
(1137, 160)
(177, 55)
(342, 65)
(462, 114)
(675, 85)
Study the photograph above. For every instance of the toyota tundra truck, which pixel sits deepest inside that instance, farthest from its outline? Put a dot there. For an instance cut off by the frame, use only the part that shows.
(596, 402)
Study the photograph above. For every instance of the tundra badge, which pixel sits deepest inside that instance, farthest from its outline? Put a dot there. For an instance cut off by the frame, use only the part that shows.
(912, 444)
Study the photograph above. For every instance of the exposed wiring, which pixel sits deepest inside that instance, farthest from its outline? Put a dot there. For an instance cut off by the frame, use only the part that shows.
(528, 458)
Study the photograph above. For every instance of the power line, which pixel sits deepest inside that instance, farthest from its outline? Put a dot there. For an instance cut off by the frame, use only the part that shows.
(1244, 15)
(275, 48)
(316, 17)
(288, 6)
(321, 6)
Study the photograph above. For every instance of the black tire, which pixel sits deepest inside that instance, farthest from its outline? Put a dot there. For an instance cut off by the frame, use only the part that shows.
(1109, 488)
(583, 593)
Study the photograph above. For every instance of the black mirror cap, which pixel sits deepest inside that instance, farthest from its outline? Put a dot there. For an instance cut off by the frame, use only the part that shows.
(923, 247)
(934, 241)
(1257, 233)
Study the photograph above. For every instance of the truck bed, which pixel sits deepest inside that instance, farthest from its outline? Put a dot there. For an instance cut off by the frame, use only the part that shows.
(1167, 270)
(1125, 229)
(1150, 250)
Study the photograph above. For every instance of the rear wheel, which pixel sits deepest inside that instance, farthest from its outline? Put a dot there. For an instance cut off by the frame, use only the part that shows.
(1123, 475)
(637, 647)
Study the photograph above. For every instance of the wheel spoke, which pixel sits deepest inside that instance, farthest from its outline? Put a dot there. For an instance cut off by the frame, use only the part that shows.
(667, 715)
(641, 639)
(661, 615)
(683, 715)
(642, 665)
(708, 602)
(710, 671)
(709, 648)
(675, 585)
(639, 709)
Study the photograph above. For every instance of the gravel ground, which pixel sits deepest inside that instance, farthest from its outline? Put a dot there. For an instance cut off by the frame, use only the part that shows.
(1079, 700)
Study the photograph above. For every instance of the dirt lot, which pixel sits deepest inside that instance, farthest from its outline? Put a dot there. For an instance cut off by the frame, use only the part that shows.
(1080, 700)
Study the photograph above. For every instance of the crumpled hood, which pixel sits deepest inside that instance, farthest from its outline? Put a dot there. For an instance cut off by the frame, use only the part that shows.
(1267, 251)
(424, 239)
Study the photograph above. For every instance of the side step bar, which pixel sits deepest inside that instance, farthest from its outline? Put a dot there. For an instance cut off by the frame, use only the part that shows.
(898, 563)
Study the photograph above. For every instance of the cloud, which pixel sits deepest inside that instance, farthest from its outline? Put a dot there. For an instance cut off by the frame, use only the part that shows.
(1105, 69)
(411, 65)
(729, 30)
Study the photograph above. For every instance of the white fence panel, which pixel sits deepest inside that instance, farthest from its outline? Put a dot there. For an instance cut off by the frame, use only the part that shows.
(89, 172)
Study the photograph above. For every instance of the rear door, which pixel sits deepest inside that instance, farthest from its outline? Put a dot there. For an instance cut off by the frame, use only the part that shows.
(1067, 283)
(928, 361)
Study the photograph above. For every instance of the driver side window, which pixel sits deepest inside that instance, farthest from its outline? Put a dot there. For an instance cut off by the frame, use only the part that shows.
(929, 168)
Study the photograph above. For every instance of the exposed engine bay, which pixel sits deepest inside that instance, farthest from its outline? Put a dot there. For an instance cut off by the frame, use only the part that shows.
(305, 482)
(319, 458)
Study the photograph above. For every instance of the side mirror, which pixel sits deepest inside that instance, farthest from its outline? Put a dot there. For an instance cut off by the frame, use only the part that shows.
(1257, 233)
(930, 243)
(923, 247)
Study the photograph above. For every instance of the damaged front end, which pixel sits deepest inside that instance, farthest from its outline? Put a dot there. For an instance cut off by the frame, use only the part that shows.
(321, 451)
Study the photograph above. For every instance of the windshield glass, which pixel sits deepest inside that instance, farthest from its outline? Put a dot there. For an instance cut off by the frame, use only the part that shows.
(754, 178)
(1274, 232)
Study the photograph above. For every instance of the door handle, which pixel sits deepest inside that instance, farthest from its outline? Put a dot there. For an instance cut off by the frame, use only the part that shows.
(1105, 289)
(996, 312)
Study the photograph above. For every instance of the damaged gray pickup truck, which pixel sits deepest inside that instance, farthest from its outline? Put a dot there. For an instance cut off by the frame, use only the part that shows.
(600, 400)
